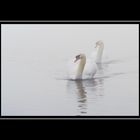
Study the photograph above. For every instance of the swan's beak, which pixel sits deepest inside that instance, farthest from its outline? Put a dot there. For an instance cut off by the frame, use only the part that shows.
(77, 58)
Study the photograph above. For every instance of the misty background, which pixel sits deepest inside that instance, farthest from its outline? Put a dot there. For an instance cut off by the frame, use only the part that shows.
(34, 56)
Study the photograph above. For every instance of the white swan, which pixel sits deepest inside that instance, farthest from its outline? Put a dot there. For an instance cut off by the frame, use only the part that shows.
(97, 56)
(82, 68)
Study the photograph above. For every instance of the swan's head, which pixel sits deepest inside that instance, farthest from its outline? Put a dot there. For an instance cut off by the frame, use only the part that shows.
(78, 57)
(99, 44)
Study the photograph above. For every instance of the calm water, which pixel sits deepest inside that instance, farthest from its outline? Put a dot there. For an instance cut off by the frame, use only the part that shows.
(34, 59)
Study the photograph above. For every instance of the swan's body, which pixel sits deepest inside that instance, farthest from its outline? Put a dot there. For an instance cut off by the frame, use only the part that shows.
(86, 68)
(82, 68)
(97, 56)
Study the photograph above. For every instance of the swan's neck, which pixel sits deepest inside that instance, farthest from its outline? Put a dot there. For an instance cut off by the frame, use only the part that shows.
(80, 68)
(99, 53)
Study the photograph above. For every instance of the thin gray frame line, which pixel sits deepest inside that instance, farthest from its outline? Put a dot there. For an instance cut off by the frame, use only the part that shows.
(69, 21)
(70, 118)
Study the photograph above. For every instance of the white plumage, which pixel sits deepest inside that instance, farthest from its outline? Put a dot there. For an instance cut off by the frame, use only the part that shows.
(79, 70)
(86, 68)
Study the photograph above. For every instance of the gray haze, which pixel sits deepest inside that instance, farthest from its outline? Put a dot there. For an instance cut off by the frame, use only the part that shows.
(34, 59)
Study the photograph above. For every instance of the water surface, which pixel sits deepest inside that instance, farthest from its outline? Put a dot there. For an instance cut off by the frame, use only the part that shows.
(34, 59)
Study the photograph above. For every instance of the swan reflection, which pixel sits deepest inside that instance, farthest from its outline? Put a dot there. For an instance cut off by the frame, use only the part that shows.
(86, 91)
(82, 97)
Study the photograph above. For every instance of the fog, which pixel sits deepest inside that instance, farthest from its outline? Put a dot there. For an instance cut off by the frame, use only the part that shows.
(34, 59)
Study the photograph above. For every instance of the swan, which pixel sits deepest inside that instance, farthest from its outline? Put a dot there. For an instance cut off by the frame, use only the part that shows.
(100, 56)
(82, 68)
(97, 56)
